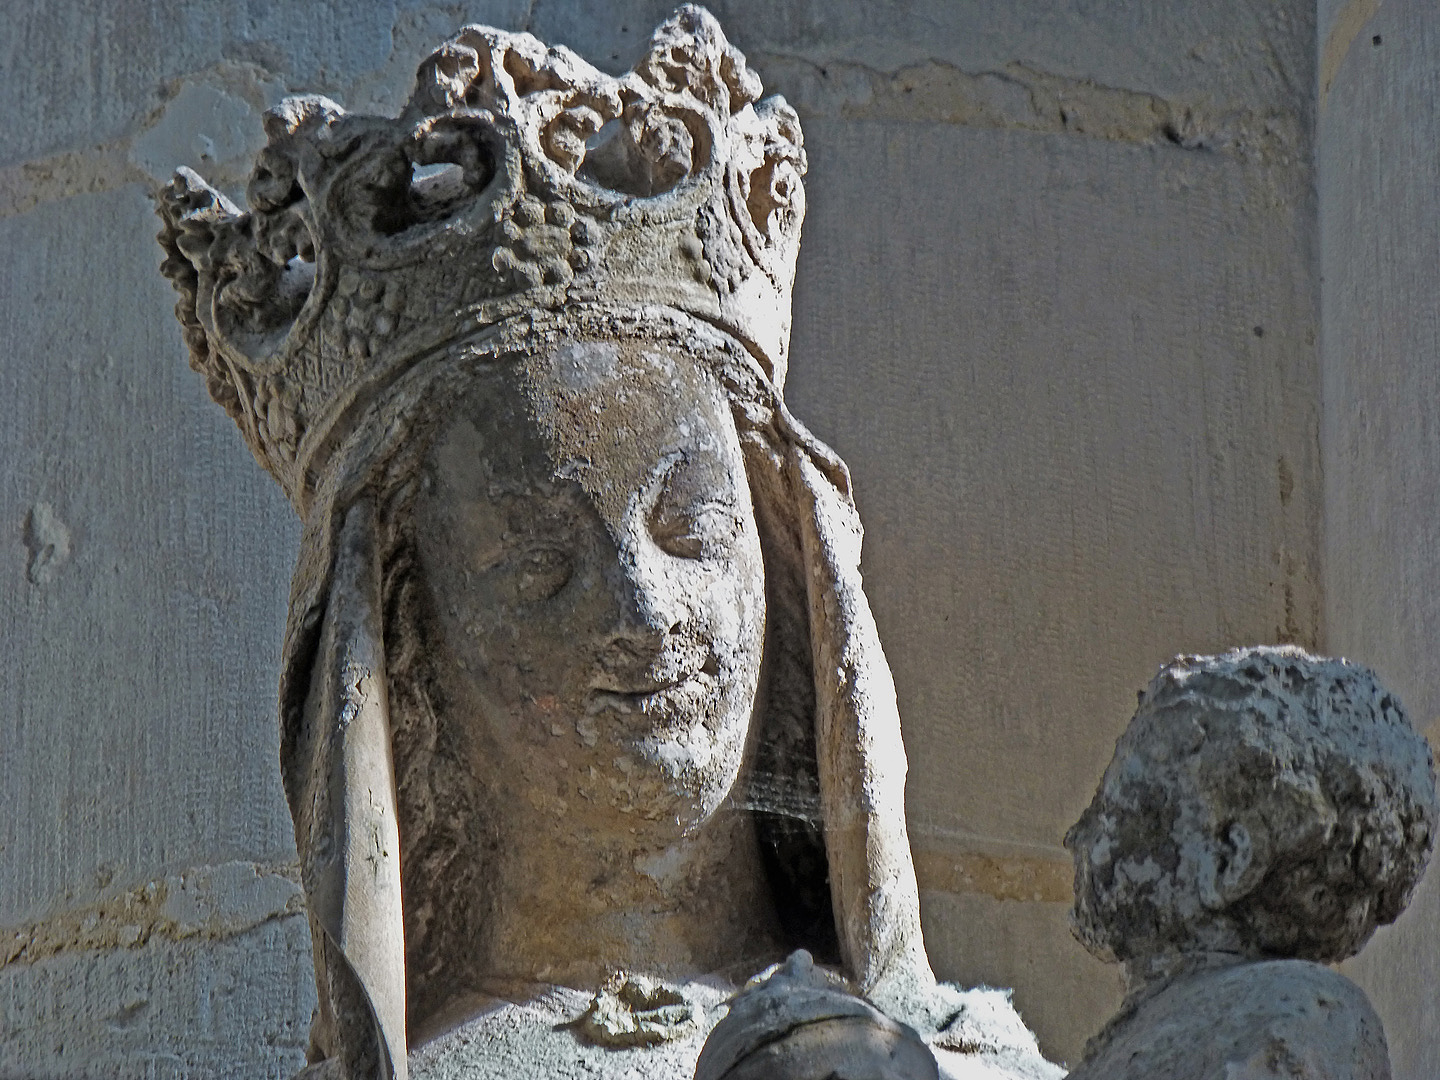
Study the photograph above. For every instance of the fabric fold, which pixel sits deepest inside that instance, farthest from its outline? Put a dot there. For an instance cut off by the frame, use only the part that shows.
(860, 755)
(350, 864)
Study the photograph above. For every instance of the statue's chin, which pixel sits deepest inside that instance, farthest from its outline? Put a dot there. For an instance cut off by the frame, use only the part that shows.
(682, 745)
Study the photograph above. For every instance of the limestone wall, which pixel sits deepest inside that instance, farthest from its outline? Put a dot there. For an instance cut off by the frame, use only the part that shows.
(1379, 233)
(1057, 305)
(1072, 365)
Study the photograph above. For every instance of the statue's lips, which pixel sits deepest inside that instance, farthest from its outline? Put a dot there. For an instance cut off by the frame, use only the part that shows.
(682, 697)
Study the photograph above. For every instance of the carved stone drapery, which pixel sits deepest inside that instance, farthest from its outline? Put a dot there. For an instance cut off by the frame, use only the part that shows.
(577, 611)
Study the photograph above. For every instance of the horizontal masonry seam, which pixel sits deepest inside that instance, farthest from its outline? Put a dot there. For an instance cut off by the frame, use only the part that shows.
(209, 903)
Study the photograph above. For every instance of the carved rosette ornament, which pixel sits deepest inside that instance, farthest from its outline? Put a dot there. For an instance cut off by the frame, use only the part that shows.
(519, 182)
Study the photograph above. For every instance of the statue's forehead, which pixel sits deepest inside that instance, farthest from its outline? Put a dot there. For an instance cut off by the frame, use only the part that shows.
(628, 379)
(613, 414)
(600, 420)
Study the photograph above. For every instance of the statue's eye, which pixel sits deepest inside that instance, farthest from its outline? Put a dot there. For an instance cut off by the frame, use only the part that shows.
(542, 573)
(694, 515)
(706, 531)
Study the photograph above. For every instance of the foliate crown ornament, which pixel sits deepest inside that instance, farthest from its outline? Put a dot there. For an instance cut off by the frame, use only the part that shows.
(518, 183)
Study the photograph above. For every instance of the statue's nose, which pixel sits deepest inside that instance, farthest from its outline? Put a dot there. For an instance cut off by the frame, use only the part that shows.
(649, 606)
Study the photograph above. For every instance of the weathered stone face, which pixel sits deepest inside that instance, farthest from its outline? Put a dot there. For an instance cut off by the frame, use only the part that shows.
(1265, 810)
(1263, 803)
(586, 529)
(579, 674)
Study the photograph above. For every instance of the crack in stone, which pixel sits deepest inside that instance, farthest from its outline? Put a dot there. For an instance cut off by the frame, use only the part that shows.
(208, 903)
(92, 171)
(1019, 97)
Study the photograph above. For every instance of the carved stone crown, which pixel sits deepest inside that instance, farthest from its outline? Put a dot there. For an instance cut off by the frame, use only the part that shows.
(517, 180)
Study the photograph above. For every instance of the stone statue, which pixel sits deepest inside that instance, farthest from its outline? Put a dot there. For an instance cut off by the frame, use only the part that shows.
(800, 1023)
(1265, 811)
(579, 677)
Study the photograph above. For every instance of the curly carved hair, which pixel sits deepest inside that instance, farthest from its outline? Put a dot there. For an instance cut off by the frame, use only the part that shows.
(1266, 802)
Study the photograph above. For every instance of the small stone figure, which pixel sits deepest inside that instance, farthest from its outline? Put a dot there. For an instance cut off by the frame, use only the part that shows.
(800, 1023)
(1264, 812)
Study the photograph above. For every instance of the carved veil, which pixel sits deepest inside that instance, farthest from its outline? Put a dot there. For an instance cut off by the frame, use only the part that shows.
(330, 321)
(336, 743)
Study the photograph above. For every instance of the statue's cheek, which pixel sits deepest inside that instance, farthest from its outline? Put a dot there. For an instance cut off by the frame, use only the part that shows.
(733, 602)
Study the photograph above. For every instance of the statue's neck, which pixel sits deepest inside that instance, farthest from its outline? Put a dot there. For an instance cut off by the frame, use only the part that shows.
(1147, 976)
(571, 904)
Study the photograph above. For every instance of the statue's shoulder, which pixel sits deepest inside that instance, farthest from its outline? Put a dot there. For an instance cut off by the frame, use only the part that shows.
(1253, 1021)
(633, 1027)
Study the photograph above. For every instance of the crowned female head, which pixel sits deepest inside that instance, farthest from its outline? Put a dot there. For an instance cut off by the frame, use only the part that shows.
(577, 646)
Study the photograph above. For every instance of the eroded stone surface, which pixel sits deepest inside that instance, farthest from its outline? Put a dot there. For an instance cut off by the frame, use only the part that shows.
(577, 638)
(160, 1008)
(542, 1034)
(798, 1023)
(47, 543)
(1265, 811)
(1269, 1020)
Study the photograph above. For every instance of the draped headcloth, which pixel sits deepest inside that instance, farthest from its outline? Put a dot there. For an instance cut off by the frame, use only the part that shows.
(522, 199)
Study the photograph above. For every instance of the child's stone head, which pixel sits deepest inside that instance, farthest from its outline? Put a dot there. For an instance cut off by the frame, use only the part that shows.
(1266, 803)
